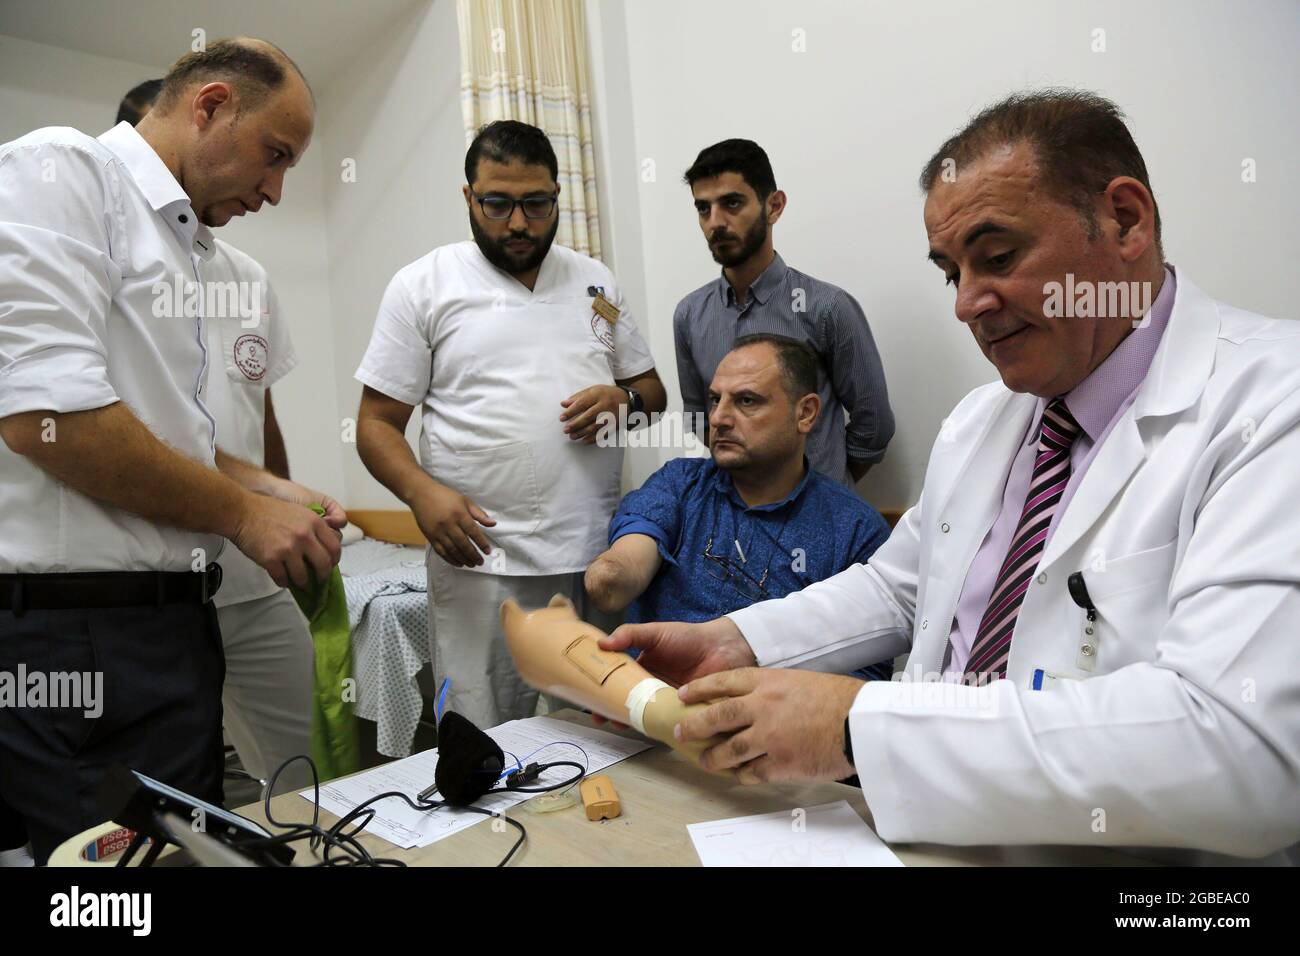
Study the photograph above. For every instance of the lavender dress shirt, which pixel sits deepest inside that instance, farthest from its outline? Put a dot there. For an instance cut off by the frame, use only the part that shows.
(1097, 404)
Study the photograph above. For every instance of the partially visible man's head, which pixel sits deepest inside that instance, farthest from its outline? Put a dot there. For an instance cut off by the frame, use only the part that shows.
(512, 193)
(1035, 187)
(735, 197)
(138, 101)
(762, 403)
(238, 115)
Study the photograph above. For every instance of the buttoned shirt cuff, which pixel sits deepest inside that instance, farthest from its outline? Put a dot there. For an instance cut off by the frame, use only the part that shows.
(635, 524)
(625, 524)
(59, 379)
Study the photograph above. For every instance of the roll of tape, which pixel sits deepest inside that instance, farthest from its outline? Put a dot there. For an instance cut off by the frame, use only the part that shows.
(639, 696)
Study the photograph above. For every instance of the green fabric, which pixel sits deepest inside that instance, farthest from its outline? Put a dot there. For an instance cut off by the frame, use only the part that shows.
(334, 745)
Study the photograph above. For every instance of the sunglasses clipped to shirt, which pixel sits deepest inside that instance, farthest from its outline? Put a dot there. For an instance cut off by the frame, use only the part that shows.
(496, 206)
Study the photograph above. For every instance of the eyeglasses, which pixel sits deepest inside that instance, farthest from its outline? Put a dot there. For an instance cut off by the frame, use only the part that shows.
(723, 568)
(503, 207)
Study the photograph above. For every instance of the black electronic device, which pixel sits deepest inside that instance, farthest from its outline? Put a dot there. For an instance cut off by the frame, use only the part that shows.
(141, 803)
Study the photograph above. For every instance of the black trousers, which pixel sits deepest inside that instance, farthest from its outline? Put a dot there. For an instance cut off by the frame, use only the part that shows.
(158, 710)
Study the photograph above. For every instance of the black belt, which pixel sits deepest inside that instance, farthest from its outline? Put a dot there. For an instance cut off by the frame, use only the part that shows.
(81, 589)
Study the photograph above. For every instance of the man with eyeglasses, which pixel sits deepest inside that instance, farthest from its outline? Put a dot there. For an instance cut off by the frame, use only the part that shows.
(514, 347)
(704, 537)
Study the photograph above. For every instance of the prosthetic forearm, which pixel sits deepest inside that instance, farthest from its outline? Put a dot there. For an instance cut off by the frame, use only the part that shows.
(556, 653)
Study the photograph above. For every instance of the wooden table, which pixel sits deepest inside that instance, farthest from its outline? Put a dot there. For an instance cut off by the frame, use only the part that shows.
(661, 792)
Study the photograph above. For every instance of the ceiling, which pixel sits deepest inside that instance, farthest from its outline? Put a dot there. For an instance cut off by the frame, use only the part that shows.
(322, 36)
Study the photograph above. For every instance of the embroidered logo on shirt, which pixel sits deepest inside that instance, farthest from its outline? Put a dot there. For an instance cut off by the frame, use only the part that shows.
(250, 356)
(603, 330)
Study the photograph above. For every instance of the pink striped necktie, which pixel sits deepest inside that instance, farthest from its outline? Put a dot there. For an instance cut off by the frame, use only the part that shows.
(992, 647)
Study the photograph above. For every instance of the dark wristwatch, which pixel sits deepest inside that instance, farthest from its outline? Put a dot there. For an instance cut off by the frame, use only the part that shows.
(635, 403)
(848, 745)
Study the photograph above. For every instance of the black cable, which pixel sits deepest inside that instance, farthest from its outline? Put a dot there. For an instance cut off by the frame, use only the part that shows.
(582, 772)
(495, 814)
(523, 834)
(335, 839)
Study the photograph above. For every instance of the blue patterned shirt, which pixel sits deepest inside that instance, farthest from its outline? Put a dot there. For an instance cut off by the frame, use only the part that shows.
(720, 555)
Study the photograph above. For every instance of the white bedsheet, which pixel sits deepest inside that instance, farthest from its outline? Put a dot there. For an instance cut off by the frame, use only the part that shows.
(385, 588)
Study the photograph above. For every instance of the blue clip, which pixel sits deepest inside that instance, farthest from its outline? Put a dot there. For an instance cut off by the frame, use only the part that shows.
(442, 698)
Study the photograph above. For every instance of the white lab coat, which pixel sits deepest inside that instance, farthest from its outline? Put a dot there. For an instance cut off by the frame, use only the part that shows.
(1182, 727)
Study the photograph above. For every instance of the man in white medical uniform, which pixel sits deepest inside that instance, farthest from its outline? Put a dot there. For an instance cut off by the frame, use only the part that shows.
(1104, 565)
(267, 695)
(515, 347)
(114, 497)
(270, 661)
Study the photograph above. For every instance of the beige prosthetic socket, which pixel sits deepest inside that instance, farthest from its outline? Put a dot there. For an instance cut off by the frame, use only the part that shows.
(556, 652)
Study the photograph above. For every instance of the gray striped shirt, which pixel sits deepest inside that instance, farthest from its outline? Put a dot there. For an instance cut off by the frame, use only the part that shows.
(784, 301)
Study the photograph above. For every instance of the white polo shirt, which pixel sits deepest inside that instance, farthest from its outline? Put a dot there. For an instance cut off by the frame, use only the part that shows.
(250, 350)
(491, 361)
(94, 235)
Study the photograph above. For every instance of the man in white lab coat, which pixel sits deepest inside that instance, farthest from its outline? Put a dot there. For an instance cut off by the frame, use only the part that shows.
(1100, 584)
(514, 347)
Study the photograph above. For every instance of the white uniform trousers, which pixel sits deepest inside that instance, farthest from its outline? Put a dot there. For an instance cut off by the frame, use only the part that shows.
(466, 642)
(267, 698)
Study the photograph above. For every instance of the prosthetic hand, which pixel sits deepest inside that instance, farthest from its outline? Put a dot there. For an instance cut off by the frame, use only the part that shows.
(556, 652)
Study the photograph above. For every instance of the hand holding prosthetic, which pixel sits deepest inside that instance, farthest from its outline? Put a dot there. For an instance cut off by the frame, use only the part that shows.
(556, 652)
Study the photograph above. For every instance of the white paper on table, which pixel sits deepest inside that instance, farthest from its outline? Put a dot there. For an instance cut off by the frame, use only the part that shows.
(829, 835)
(404, 827)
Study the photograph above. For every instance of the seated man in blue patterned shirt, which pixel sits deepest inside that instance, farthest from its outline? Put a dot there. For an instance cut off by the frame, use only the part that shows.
(707, 536)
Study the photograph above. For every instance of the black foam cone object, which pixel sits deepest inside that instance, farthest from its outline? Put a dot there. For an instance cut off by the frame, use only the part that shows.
(469, 761)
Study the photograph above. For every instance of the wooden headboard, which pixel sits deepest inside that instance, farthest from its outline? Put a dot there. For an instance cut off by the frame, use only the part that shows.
(399, 527)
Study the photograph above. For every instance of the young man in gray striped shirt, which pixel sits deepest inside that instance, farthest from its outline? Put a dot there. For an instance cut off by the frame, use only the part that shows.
(737, 201)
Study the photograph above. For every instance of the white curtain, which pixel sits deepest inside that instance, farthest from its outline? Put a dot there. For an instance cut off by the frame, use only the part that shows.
(527, 60)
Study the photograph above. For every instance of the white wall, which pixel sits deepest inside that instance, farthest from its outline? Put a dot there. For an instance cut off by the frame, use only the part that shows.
(621, 238)
(849, 123)
(49, 86)
(289, 240)
(44, 85)
(396, 112)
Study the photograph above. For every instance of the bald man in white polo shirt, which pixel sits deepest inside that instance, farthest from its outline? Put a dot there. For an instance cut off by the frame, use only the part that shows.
(114, 497)
(267, 695)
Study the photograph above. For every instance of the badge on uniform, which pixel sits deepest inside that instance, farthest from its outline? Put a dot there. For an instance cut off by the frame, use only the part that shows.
(601, 305)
